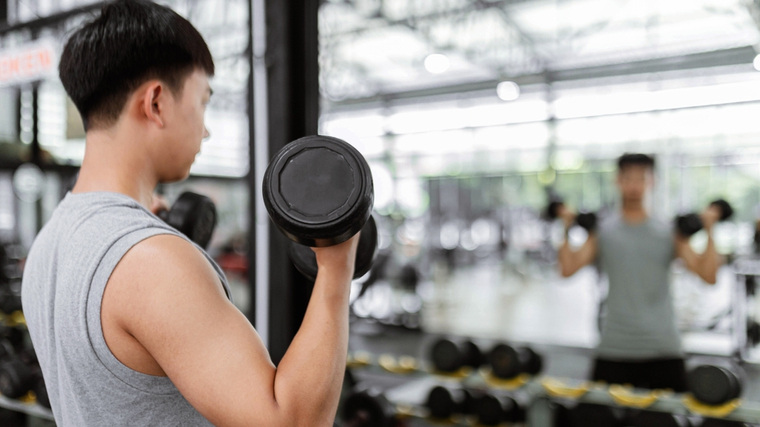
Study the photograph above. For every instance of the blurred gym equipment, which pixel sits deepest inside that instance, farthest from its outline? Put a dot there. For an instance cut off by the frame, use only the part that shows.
(443, 402)
(451, 356)
(367, 409)
(193, 215)
(492, 410)
(716, 385)
(508, 362)
(689, 224)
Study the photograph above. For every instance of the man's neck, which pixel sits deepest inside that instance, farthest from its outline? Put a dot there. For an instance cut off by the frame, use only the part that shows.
(115, 163)
(634, 212)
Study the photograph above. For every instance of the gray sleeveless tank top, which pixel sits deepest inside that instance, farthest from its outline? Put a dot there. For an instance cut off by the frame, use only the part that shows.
(64, 279)
(641, 318)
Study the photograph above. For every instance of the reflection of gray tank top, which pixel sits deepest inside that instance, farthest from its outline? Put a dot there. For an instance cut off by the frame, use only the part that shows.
(64, 279)
(640, 321)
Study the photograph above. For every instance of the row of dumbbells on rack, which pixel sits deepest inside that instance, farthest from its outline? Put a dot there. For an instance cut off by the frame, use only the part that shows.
(460, 406)
(20, 374)
(488, 404)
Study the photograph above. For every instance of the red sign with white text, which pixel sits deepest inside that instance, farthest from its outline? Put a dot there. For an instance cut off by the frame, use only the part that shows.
(28, 63)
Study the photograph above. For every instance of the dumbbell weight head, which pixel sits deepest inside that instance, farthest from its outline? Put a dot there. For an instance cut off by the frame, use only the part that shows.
(16, 378)
(508, 362)
(305, 260)
(689, 224)
(492, 410)
(587, 221)
(443, 402)
(592, 415)
(726, 211)
(450, 356)
(552, 210)
(651, 419)
(6, 349)
(367, 409)
(715, 385)
(718, 422)
(10, 296)
(753, 333)
(12, 335)
(318, 191)
(193, 215)
(42, 394)
(535, 363)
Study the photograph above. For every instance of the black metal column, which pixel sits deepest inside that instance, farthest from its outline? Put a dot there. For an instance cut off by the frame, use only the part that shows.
(4, 12)
(293, 112)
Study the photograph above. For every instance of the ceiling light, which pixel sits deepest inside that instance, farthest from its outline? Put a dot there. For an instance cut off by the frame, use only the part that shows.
(756, 62)
(437, 63)
(508, 91)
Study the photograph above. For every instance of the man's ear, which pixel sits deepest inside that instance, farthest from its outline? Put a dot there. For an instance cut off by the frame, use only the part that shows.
(152, 102)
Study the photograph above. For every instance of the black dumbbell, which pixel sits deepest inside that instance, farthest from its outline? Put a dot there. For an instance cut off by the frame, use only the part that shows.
(508, 362)
(10, 296)
(718, 422)
(592, 415)
(41, 392)
(6, 349)
(750, 283)
(494, 410)
(318, 191)
(367, 409)
(689, 224)
(716, 384)
(193, 215)
(753, 333)
(19, 374)
(651, 419)
(451, 356)
(584, 219)
(443, 402)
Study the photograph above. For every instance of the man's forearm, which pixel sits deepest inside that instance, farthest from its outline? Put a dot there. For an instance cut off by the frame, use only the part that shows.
(710, 261)
(310, 376)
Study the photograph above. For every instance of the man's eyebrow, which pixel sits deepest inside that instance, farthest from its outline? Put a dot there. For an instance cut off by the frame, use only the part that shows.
(210, 91)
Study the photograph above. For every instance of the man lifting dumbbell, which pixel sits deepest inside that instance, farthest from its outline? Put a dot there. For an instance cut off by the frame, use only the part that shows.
(640, 343)
(131, 321)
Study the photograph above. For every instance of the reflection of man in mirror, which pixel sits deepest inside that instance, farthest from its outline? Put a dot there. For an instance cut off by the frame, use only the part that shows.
(640, 344)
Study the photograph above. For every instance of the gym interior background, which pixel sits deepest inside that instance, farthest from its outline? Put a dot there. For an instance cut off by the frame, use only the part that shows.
(471, 114)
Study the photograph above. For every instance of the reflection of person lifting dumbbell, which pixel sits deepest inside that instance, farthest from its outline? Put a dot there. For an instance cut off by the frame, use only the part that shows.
(689, 224)
(640, 342)
(318, 191)
(557, 209)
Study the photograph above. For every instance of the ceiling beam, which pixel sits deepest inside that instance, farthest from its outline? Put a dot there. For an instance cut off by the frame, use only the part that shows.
(734, 56)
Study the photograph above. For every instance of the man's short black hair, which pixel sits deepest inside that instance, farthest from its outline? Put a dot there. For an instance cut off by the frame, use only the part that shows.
(131, 42)
(632, 159)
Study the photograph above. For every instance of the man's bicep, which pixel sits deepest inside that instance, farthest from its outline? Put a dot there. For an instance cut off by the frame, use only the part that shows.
(205, 345)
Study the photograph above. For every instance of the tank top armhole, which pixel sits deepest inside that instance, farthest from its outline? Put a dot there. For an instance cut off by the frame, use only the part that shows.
(112, 256)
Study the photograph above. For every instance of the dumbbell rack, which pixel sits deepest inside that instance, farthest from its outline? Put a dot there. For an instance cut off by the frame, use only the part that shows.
(542, 390)
(35, 410)
(27, 407)
(743, 267)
